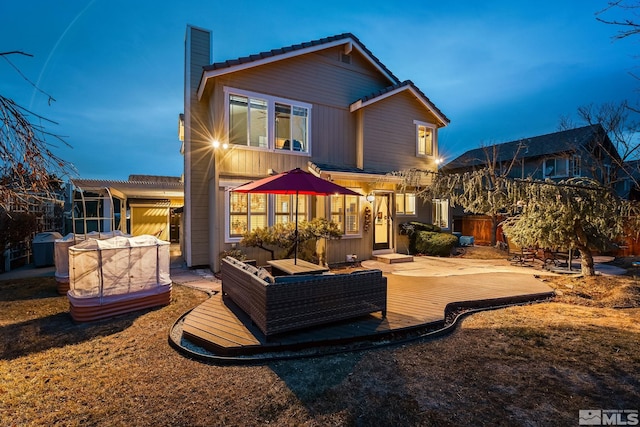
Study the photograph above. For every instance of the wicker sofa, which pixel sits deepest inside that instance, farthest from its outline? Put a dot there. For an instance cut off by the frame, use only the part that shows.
(287, 303)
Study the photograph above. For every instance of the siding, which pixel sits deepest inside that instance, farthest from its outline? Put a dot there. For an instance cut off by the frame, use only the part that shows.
(320, 79)
(196, 191)
(390, 134)
(330, 86)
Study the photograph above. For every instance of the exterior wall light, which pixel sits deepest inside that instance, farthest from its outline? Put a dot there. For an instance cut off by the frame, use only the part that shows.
(370, 198)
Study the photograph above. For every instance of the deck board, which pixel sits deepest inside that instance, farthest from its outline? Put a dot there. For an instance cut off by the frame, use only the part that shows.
(412, 302)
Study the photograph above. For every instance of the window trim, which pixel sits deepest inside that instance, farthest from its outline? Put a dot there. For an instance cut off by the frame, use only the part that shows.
(270, 214)
(329, 213)
(271, 130)
(434, 144)
(435, 202)
(404, 212)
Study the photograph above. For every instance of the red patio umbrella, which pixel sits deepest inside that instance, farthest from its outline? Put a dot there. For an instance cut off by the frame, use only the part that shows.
(295, 181)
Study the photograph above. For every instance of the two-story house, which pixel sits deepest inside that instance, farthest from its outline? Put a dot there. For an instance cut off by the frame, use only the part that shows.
(581, 152)
(327, 106)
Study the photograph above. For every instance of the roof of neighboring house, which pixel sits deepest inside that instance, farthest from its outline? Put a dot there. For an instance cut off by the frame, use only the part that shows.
(396, 88)
(543, 145)
(299, 49)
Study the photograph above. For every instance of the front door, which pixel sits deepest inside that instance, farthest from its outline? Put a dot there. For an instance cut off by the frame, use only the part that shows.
(382, 221)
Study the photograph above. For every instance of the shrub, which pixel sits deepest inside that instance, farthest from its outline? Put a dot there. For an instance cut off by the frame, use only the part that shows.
(412, 228)
(435, 244)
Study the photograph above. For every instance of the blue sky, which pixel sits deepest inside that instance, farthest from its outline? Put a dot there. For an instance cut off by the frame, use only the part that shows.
(500, 70)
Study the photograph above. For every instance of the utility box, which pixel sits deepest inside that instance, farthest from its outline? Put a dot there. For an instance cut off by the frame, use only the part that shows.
(42, 248)
(466, 240)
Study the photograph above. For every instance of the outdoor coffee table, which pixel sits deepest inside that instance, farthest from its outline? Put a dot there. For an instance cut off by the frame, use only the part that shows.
(280, 267)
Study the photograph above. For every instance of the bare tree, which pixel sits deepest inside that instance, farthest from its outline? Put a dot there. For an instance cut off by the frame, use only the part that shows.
(28, 166)
(616, 148)
(629, 27)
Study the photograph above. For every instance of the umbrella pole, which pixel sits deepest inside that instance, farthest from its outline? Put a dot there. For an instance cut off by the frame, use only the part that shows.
(295, 255)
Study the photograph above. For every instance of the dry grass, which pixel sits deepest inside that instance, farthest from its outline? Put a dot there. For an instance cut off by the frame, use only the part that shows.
(484, 252)
(529, 365)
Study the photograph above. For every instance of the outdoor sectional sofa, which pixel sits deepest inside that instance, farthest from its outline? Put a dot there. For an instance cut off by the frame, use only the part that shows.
(287, 303)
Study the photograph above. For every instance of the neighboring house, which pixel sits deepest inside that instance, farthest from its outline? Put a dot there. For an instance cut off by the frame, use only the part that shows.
(582, 152)
(329, 107)
(630, 186)
(144, 204)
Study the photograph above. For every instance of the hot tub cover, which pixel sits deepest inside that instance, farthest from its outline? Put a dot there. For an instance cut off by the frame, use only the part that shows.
(118, 266)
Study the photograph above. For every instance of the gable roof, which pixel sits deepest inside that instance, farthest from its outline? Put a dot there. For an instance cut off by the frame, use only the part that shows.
(543, 145)
(347, 39)
(389, 91)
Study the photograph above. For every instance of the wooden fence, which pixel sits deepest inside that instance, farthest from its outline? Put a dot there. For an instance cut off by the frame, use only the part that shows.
(479, 226)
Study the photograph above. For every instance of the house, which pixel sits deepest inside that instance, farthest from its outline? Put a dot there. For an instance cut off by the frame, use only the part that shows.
(329, 107)
(630, 188)
(581, 152)
(144, 204)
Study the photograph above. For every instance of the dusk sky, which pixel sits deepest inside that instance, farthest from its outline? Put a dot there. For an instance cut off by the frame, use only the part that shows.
(499, 70)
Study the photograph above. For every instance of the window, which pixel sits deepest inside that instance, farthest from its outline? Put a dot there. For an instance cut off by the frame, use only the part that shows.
(247, 121)
(556, 167)
(266, 122)
(441, 212)
(291, 127)
(345, 212)
(424, 139)
(285, 211)
(576, 166)
(406, 203)
(247, 212)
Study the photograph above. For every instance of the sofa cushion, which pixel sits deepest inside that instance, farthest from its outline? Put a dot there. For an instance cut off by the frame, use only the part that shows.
(296, 278)
(265, 275)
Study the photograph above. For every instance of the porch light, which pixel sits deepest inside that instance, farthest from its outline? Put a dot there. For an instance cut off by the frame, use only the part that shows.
(370, 198)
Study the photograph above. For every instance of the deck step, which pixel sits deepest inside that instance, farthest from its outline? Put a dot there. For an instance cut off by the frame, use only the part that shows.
(393, 258)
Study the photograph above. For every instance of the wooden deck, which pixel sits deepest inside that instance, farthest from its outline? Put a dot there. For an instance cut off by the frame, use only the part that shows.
(413, 303)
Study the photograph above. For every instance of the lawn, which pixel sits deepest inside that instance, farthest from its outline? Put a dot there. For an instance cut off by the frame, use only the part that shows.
(526, 365)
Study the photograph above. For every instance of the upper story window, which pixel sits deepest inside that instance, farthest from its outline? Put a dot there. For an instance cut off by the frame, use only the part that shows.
(247, 121)
(267, 122)
(291, 127)
(425, 139)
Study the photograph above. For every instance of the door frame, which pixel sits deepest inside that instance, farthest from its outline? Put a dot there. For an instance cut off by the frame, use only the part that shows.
(389, 244)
